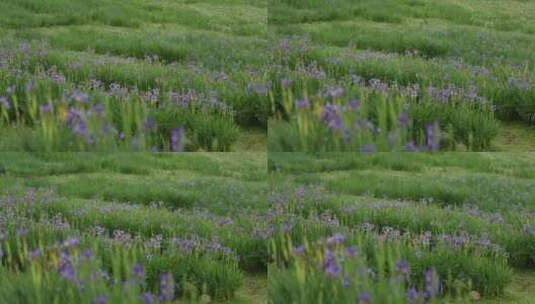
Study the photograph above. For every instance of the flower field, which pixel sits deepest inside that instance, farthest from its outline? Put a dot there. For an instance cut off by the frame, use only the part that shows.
(267, 151)
(400, 75)
(133, 76)
(402, 228)
(133, 228)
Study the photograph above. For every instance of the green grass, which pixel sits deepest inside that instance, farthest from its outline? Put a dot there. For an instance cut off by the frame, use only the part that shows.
(213, 50)
(483, 196)
(208, 197)
(516, 137)
(485, 47)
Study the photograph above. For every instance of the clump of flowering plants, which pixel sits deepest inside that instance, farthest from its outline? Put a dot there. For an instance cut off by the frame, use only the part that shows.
(313, 241)
(45, 254)
(349, 119)
(320, 106)
(43, 107)
(335, 270)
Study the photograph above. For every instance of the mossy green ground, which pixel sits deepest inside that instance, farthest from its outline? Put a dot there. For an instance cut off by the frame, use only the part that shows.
(494, 183)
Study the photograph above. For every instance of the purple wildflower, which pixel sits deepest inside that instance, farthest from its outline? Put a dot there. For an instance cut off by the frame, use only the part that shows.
(71, 242)
(5, 103)
(336, 92)
(351, 251)
(138, 272)
(45, 108)
(403, 119)
(176, 140)
(35, 254)
(330, 266)
(402, 267)
(65, 268)
(354, 104)
(432, 284)
(336, 239)
(298, 250)
(147, 298)
(411, 147)
(98, 109)
(86, 254)
(285, 83)
(102, 299)
(28, 87)
(302, 103)
(369, 148)
(149, 124)
(412, 295)
(167, 287)
(364, 298)
(432, 138)
(331, 117)
(79, 97)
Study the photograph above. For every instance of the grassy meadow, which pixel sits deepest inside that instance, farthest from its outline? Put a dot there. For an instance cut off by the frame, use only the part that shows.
(133, 75)
(402, 228)
(133, 228)
(254, 151)
(394, 75)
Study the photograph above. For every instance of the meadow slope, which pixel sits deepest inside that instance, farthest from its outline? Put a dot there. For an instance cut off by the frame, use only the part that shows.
(137, 75)
(402, 75)
(132, 227)
(402, 228)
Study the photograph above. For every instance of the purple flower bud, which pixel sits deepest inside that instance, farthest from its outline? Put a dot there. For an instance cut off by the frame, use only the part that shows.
(431, 283)
(412, 295)
(285, 83)
(402, 267)
(298, 250)
(5, 103)
(302, 103)
(45, 108)
(336, 239)
(330, 266)
(98, 109)
(35, 254)
(368, 149)
(86, 254)
(79, 97)
(72, 242)
(432, 139)
(364, 298)
(354, 104)
(65, 268)
(336, 92)
(138, 272)
(331, 117)
(176, 140)
(147, 298)
(167, 287)
(100, 300)
(403, 119)
(411, 147)
(149, 124)
(28, 87)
